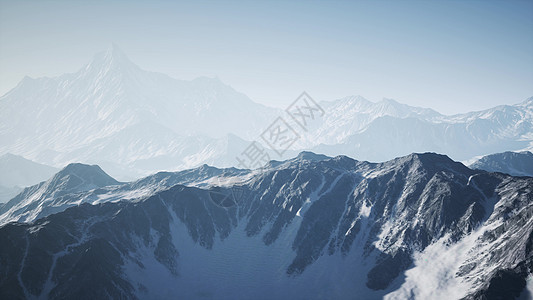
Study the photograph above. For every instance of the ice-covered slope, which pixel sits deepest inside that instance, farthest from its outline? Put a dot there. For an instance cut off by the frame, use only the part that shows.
(419, 226)
(17, 172)
(514, 163)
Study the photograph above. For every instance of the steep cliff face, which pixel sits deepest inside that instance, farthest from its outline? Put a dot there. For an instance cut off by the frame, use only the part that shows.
(307, 228)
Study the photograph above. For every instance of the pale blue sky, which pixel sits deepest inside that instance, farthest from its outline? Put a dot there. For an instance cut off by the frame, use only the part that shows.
(453, 56)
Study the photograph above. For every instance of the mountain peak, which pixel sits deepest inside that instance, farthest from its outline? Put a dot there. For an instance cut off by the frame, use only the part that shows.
(430, 161)
(111, 59)
(429, 157)
(76, 167)
(114, 51)
(87, 173)
(307, 155)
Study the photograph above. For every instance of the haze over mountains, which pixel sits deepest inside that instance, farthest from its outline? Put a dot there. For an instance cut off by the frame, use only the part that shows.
(384, 130)
(304, 226)
(118, 115)
(17, 173)
(133, 122)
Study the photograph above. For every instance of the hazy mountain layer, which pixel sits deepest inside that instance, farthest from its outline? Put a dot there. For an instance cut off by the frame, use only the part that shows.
(380, 131)
(513, 163)
(17, 172)
(113, 113)
(134, 122)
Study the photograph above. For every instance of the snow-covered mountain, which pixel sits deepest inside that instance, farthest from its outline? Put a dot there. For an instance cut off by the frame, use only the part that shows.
(42, 199)
(134, 122)
(381, 131)
(16, 172)
(347, 116)
(513, 163)
(420, 226)
(79, 183)
(111, 108)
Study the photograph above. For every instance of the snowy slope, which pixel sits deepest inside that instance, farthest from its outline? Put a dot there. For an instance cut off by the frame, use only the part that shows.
(47, 197)
(313, 227)
(78, 183)
(513, 163)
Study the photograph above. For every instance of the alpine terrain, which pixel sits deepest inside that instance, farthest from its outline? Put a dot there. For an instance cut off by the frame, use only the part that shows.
(421, 226)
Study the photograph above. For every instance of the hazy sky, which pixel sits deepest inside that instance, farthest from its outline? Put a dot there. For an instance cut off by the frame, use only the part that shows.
(453, 56)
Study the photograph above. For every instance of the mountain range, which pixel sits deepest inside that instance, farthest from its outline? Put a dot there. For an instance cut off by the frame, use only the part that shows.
(380, 131)
(133, 122)
(420, 226)
(186, 220)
